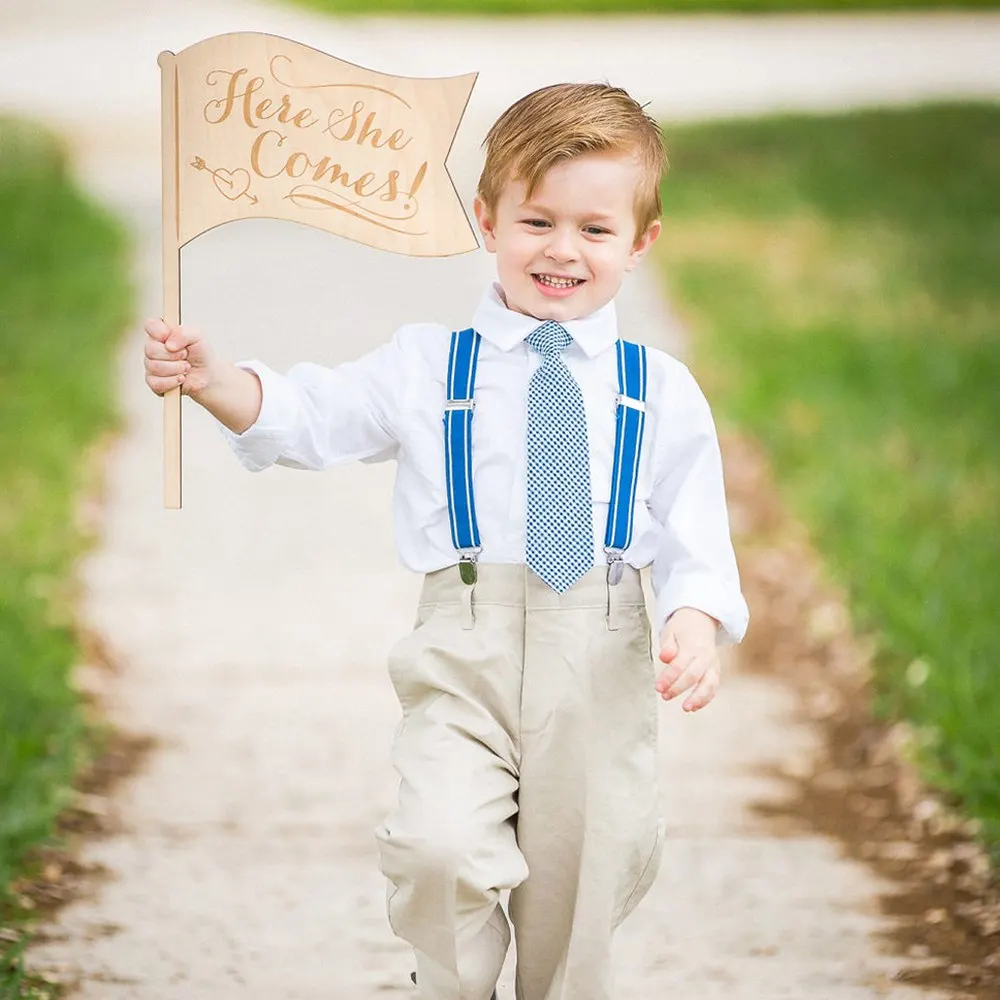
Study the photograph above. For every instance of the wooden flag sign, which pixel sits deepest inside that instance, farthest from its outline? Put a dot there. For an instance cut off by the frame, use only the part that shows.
(258, 126)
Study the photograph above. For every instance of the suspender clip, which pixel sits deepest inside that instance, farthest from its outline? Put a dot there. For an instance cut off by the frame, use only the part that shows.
(467, 565)
(459, 404)
(616, 566)
(635, 404)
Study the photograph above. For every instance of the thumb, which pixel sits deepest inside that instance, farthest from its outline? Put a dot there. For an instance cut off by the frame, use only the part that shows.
(668, 645)
(181, 336)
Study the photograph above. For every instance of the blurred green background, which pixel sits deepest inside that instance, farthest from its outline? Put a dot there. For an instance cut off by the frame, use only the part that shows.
(841, 274)
(64, 303)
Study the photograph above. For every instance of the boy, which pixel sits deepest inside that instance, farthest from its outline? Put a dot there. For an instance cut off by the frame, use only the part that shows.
(541, 463)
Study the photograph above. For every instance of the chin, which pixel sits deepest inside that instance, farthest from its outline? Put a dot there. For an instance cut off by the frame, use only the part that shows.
(563, 314)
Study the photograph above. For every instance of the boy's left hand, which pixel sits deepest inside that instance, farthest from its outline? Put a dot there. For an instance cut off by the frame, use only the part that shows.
(687, 644)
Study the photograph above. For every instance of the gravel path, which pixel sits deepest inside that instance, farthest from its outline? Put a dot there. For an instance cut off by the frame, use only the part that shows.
(253, 625)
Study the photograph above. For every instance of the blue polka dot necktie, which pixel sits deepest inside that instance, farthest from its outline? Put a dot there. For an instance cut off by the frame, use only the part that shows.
(559, 522)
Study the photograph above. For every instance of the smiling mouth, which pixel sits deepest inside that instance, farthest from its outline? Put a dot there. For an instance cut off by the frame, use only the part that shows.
(556, 282)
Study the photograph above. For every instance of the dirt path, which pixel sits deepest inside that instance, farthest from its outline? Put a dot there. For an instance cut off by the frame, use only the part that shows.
(252, 626)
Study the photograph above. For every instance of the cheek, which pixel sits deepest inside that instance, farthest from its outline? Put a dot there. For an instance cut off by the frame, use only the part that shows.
(608, 259)
(517, 252)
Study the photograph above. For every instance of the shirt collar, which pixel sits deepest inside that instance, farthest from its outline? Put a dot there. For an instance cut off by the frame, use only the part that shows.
(505, 328)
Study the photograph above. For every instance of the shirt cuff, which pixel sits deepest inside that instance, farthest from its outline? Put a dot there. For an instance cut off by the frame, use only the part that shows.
(260, 445)
(708, 595)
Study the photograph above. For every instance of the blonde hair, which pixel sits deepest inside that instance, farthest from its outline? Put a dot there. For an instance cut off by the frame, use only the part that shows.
(566, 120)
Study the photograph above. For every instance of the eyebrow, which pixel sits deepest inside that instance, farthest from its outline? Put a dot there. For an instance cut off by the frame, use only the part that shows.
(590, 216)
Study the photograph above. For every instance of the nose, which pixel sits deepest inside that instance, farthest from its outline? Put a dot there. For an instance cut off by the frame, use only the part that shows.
(561, 245)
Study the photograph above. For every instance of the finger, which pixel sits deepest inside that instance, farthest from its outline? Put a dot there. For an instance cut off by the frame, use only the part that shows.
(677, 667)
(154, 349)
(704, 691)
(182, 336)
(156, 328)
(668, 645)
(679, 686)
(167, 368)
(160, 384)
(691, 675)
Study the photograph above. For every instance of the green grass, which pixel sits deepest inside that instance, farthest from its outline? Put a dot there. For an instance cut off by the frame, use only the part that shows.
(613, 7)
(842, 273)
(64, 301)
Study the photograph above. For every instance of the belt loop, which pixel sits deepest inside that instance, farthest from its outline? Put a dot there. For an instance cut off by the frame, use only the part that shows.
(613, 601)
(468, 615)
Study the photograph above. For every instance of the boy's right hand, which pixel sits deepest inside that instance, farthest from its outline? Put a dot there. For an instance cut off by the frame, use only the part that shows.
(176, 356)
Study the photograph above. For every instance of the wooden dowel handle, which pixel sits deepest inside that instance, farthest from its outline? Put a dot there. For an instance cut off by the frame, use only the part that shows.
(171, 271)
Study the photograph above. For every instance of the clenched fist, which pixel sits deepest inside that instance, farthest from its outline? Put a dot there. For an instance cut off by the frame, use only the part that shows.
(176, 356)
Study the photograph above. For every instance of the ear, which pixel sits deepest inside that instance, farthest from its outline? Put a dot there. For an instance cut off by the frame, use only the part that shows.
(643, 242)
(486, 224)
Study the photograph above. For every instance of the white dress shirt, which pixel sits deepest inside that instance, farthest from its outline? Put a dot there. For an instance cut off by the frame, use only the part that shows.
(389, 404)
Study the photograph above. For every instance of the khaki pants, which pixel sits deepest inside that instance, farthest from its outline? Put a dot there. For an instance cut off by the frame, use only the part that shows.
(527, 759)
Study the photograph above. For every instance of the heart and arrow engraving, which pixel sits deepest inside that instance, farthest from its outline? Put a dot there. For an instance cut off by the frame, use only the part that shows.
(233, 184)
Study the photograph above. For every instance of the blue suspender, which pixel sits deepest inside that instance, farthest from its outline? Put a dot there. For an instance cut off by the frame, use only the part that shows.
(462, 362)
(630, 421)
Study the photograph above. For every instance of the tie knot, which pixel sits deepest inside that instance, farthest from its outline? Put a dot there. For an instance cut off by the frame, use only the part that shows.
(548, 339)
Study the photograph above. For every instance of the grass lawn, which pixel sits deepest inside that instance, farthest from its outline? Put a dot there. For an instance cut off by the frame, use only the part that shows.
(64, 301)
(841, 274)
(572, 7)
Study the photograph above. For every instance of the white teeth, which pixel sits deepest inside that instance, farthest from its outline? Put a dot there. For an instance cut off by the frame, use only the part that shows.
(553, 282)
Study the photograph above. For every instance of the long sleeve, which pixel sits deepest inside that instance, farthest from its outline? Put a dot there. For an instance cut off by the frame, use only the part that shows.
(316, 416)
(695, 565)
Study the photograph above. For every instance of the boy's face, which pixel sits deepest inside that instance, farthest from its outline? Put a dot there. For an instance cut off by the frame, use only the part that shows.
(562, 253)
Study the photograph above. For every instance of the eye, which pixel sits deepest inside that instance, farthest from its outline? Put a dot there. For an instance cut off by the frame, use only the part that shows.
(595, 230)
(535, 223)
